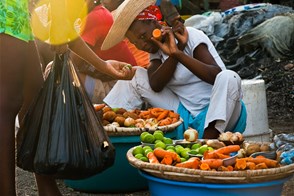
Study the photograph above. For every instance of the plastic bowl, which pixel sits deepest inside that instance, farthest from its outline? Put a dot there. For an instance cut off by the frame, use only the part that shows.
(159, 187)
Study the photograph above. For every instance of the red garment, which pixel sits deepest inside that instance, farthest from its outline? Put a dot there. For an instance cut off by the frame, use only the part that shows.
(98, 23)
(150, 13)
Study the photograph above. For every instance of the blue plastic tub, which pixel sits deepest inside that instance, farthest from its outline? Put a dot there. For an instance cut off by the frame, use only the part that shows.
(121, 177)
(160, 187)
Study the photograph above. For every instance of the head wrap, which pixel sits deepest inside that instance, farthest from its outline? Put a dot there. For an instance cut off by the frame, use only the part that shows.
(150, 13)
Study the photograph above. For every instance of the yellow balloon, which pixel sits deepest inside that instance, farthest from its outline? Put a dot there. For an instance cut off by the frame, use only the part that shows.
(58, 21)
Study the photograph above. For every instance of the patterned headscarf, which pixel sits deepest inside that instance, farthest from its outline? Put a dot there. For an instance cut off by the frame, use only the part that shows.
(150, 13)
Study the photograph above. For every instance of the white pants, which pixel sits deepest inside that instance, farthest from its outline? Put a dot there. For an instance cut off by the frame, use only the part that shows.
(95, 88)
(224, 106)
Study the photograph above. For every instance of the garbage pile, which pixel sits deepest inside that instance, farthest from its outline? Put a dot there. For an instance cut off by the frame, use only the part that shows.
(257, 41)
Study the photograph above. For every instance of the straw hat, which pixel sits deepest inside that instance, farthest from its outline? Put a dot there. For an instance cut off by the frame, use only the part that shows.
(124, 16)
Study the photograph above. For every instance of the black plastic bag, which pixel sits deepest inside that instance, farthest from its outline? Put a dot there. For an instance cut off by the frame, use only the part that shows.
(61, 135)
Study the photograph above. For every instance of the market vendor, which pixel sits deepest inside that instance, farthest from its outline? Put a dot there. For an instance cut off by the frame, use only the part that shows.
(186, 74)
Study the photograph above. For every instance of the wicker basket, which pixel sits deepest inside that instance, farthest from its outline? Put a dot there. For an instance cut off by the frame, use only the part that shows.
(118, 131)
(196, 175)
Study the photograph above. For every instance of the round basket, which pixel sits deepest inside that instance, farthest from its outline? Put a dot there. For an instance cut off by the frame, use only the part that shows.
(116, 131)
(196, 175)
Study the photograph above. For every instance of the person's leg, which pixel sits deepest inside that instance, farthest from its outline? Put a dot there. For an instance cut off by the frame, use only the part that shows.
(47, 186)
(132, 94)
(11, 87)
(225, 104)
(33, 81)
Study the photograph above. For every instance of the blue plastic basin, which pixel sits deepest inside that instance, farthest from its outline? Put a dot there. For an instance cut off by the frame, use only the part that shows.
(121, 177)
(160, 187)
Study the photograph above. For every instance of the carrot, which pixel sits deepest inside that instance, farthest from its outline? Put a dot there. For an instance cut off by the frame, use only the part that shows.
(214, 155)
(152, 158)
(250, 165)
(174, 120)
(221, 156)
(162, 115)
(269, 162)
(204, 166)
(213, 163)
(230, 168)
(240, 164)
(99, 107)
(167, 160)
(144, 114)
(192, 163)
(166, 121)
(260, 156)
(160, 154)
(173, 115)
(227, 149)
(261, 166)
(222, 168)
(156, 33)
(155, 112)
(208, 155)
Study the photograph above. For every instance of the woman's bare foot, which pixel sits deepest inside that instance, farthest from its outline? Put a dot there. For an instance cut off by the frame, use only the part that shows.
(211, 132)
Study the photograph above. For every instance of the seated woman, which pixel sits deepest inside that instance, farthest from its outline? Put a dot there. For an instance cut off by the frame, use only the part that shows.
(186, 74)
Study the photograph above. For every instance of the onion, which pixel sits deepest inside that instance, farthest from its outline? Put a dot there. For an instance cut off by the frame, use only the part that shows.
(191, 135)
(129, 122)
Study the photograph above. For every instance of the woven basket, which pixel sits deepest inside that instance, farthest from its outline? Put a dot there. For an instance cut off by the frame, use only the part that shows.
(196, 175)
(118, 131)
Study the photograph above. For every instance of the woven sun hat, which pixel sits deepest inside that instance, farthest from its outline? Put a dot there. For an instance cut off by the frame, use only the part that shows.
(123, 17)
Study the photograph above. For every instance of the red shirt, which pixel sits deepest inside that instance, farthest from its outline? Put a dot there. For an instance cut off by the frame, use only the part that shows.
(98, 23)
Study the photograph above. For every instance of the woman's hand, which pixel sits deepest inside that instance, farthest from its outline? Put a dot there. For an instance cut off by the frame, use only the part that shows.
(169, 45)
(181, 34)
(120, 70)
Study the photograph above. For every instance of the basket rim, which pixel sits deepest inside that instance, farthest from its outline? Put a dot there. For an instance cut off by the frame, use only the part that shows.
(197, 175)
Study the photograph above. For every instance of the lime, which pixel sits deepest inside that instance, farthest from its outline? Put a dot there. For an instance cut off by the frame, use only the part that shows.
(179, 148)
(138, 150)
(158, 136)
(170, 147)
(183, 159)
(147, 151)
(195, 146)
(142, 135)
(202, 149)
(138, 156)
(170, 150)
(159, 131)
(193, 152)
(167, 140)
(156, 141)
(160, 144)
(210, 148)
(145, 159)
(184, 154)
(148, 138)
(187, 148)
(146, 147)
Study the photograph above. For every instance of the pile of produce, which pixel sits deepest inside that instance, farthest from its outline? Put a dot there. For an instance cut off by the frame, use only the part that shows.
(151, 118)
(227, 153)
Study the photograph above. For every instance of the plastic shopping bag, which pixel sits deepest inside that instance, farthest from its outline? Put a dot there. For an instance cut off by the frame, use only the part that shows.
(61, 135)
